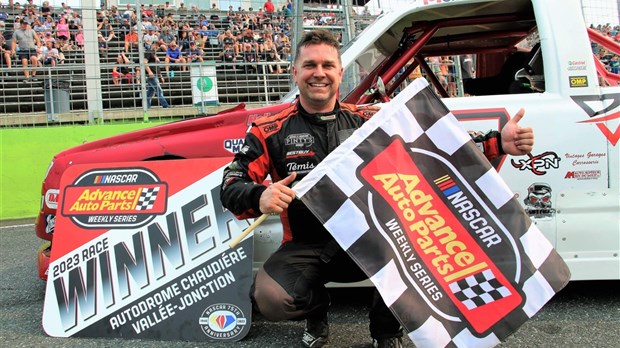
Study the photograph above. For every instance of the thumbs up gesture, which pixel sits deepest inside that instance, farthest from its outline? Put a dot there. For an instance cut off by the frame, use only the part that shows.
(517, 140)
(277, 196)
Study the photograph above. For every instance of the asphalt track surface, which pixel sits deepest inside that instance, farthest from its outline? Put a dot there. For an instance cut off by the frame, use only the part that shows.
(584, 314)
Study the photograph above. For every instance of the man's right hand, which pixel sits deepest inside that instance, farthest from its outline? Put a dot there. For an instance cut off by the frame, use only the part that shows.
(276, 198)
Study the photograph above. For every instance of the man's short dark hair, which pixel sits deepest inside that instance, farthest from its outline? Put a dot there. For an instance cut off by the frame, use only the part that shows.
(316, 37)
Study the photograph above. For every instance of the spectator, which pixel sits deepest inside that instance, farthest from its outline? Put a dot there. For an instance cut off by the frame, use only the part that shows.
(62, 31)
(174, 55)
(184, 39)
(286, 12)
(49, 24)
(123, 29)
(48, 38)
(214, 7)
(160, 12)
(467, 66)
(212, 36)
(131, 40)
(272, 56)
(73, 30)
(165, 38)
(79, 39)
(614, 64)
(147, 12)
(121, 71)
(201, 40)
(38, 26)
(49, 54)
(144, 25)
(229, 39)
(5, 53)
(28, 43)
(105, 29)
(270, 8)
(68, 11)
(103, 45)
(30, 5)
(228, 54)
(248, 38)
(448, 71)
(77, 19)
(250, 56)
(46, 10)
(283, 44)
(151, 39)
(129, 14)
(193, 53)
(115, 14)
(182, 8)
(152, 80)
(201, 21)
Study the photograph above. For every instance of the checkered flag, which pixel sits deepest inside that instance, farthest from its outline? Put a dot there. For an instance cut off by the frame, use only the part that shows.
(479, 289)
(147, 198)
(402, 196)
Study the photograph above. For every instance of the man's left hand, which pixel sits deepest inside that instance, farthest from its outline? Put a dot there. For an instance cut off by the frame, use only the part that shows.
(517, 140)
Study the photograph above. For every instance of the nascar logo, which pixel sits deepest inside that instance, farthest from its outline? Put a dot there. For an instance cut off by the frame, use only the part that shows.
(115, 198)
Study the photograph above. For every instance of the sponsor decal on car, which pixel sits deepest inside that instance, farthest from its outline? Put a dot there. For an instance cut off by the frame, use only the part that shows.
(51, 198)
(578, 81)
(583, 174)
(233, 145)
(586, 158)
(538, 164)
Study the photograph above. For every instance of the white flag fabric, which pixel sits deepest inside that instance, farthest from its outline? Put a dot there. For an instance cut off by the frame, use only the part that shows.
(411, 198)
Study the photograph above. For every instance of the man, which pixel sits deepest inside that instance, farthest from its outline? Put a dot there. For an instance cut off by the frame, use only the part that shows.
(193, 54)
(121, 71)
(270, 8)
(250, 56)
(28, 42)
(152, 80)
(5, 53)
(131, 40)
(173, 54)
(151, 39)
(290, 284)
(49, 54)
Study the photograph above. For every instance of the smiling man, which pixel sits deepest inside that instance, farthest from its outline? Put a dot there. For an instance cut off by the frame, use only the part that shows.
(287, 146)
(317, 70)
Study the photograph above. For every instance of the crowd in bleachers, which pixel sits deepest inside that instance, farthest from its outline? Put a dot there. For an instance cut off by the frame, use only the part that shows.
(609, 59)
(179, 35)
(252, 49)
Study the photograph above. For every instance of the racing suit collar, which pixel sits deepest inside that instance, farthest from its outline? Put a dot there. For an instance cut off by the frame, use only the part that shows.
(319, 117)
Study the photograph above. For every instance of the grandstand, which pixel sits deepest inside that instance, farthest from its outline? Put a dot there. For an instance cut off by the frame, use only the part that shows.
(62, 93)
(32, 102)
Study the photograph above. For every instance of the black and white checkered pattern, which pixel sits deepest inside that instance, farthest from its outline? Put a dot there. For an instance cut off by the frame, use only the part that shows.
(358, 220)
(479, 289)
(147, 198)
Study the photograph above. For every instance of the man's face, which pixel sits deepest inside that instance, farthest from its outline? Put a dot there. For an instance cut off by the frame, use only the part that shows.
(318, 73)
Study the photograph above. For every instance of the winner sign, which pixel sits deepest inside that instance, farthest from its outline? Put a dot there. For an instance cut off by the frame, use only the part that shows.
(141, 251)
(411, 198)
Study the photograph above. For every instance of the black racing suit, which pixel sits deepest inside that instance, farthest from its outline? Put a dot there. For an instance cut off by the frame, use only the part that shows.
(290, 285)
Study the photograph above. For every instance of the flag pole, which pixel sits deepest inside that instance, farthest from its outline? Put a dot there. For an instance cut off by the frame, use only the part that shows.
(247, 231)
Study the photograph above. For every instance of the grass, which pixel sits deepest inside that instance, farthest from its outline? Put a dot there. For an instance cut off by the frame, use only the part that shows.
(25, 154)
